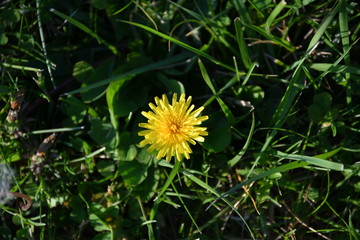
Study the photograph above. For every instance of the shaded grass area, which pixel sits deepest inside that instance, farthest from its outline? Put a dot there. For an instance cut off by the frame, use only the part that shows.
(279, 82)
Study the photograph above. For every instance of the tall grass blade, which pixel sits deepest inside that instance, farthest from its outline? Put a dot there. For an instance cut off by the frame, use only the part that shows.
(136, 71)
(244, 52)
(312, 160)
(238, 157)
(87, 30)
(229, 115)
(181, 44)
(345, 40)
(279, 7)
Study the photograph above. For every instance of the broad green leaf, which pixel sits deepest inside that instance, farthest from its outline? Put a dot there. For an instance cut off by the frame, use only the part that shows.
(146, 190)
(82, 71)
(102, 133)
(103, 236)
(124, 97)
(98, 224)
(101, 72)
(324, 100)
(74, 109)
(106, 168)
(219, 133)
(10, 16)
(133, 172)
(78, 212)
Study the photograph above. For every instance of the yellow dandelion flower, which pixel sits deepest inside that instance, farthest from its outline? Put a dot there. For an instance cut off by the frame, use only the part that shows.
(171, 127)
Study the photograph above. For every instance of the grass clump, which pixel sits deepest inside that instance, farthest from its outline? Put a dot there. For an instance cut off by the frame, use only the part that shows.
(279, 82)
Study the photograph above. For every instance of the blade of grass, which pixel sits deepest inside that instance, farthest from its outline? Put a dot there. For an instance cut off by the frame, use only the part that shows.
(169, 180)
(90, 155)
(276, 40)
(244, 52)
(54, 130)
(322, 75)
(228, 114)
(282, 168)
(136, 71)
(213, 191)
(321, 30)
(329, 67)
(192, 177)
(42, 39)
(279, 7)
(19, 67)
(86, 30)
(312, 160)
(181, 44)
(148, 223)
(294, 87)
(247, 77)
(238, 157)
(123, 8)
(345, 40)
(185, 207)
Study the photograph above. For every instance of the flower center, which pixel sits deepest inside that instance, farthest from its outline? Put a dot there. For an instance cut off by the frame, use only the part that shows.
(174, 128)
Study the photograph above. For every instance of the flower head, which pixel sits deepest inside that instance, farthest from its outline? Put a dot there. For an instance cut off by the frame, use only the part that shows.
(171, 127)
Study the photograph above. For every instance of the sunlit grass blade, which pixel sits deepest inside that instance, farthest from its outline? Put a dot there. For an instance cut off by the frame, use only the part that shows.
(289, 166)
(122, 9)
(242, 11)
(336, 63)
(238, 157)
(160, 64)
(276, 40)
(54, 130)
(282, 168)
(169, 179)
(329, 67)
(244, 52)
(43, 45)
(87, 30)
(295, 85)
(181, 44)
(146, 222)
(213, 191)
(190, 12)
(276, 11)
(345, 40)
(312, 160)
(185, 207)
(229, 115)
(90, 155)
(321, 30)
(247, 77)
(20, 67)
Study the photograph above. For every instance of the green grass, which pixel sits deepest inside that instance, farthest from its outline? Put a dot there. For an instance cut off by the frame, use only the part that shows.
(279, 81)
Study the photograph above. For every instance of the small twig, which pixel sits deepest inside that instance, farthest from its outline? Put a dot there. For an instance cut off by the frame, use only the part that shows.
(23, 206)
(304, 224)
(248, 193)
